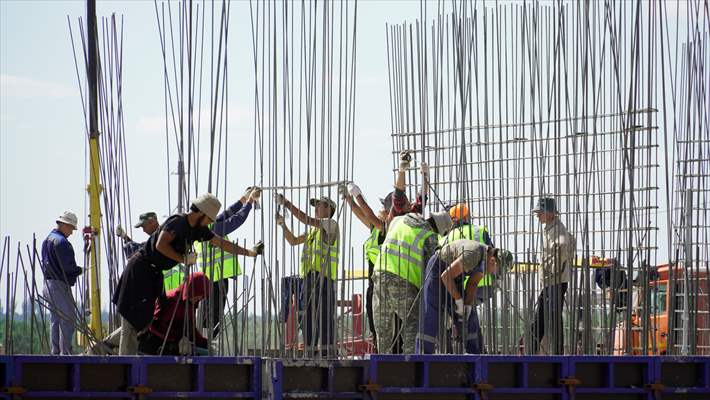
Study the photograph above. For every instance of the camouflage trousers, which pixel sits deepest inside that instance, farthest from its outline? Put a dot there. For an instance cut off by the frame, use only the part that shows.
(395, 300)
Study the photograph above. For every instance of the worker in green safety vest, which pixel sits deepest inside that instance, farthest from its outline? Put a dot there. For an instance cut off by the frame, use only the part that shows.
(411, 240)
(318, 270)
(464, 229)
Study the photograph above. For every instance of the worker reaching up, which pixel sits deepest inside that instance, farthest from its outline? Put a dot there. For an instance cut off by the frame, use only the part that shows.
(396, 202)
(319, 271)
(410, 241)
(371, 248)
(148, 222)
(141, 282)
(218, 265)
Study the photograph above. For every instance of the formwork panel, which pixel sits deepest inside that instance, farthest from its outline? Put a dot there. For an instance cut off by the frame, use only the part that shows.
(630, 375)
(399, 373)
(450, 374)
(504, 374)
(305, 378)
(592, 374)
(166, 377)
(104, 377)
(227, 378)
(347, 378)
(526, 396)
(46, 377)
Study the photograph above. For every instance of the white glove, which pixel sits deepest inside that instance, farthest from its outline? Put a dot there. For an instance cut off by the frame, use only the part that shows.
(120, 232)
(190, 258)
(354, 190)
(424, 168)
(342, 190)
(460, 308)
(279, 219)
(404, 160)
(280, 199)
(184, 346)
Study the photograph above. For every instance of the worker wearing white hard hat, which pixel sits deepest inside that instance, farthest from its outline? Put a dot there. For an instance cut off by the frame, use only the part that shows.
(60, 272)
(142, 280)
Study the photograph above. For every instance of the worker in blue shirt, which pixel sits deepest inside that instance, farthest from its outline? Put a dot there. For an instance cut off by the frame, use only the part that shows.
(60, 272)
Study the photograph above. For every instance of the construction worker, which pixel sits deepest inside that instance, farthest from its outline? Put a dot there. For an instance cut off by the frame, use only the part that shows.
(440, 292)
(148, 222)
(319, 271)
(371, 248)
(411, 240)
(141, 282)
(397, 202)
(219, 266)
(558, 252)
(173, 330)
(60, 272)
(464, 229)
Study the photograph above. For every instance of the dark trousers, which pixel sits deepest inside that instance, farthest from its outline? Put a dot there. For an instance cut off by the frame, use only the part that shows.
(318, 320)
(368, 303)
(213, 308)
(549, 306)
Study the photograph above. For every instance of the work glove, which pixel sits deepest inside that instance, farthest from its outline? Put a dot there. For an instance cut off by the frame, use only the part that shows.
(279, 219)
(342, 190)
(185, 346)
(460, 309)
(120, 232)
(280, 199)
(424, 168)
(255, 194)
(404, 160)
(354, 190)
(190, 258)
(258, 248)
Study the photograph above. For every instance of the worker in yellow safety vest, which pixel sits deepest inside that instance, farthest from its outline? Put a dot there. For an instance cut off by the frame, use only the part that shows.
(318, 270)
(464, 229)
(411, 240)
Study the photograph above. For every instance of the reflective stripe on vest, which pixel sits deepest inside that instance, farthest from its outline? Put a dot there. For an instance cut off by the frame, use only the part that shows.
(371, 248)
(173, 277)
(402, 252)
(316, 253)
(216, 263)
(470, 232)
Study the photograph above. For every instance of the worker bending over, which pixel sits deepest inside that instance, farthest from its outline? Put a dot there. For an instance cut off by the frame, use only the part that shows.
(319, 271)
(173, 330)
(141, 282)
(441, 294)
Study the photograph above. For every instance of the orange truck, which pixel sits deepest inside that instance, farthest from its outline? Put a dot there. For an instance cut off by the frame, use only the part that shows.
(695, 321)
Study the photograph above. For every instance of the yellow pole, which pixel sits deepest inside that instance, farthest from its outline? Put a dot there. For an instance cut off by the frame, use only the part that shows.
(94, 190)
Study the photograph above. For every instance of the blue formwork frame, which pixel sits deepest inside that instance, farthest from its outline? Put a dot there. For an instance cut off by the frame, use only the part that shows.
(136, 379)
(200, 363)
(701, 385)
(278, 392)
(614, 369)
(423, 364)
(76, 363)
(6, 362)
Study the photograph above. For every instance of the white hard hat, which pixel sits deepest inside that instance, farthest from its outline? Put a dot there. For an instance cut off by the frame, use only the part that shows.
(443, 222)
(68, 218)
(208, 204)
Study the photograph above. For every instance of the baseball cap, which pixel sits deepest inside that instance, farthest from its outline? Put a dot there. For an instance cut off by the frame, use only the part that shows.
(144, 218)
(546, 204)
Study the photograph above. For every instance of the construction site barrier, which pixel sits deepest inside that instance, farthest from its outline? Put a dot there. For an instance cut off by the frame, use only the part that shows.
(386, 377)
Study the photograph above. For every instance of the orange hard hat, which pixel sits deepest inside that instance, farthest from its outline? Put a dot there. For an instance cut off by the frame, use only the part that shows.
(459, 212)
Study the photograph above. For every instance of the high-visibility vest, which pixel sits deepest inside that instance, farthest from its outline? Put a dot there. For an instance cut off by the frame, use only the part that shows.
(216, 263)
(371, 248)
(317, 253)
(470, 232)
(173, 277)
(402, 252)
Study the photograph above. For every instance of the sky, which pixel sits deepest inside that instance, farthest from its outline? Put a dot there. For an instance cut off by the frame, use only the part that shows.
(43, 149)
(42, 139)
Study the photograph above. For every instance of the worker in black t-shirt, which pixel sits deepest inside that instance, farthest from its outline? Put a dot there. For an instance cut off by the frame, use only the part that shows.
(141, 282)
